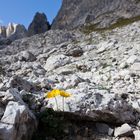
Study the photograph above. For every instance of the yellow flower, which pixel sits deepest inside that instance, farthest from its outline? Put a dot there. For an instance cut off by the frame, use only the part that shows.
(49, 95)
(56, 92)
(52, 93)
(64, 94)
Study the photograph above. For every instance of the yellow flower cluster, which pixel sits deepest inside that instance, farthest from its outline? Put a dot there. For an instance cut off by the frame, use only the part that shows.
(56, 92)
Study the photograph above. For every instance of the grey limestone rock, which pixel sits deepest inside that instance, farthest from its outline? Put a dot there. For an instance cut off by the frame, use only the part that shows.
(27, 56)
(17, 122)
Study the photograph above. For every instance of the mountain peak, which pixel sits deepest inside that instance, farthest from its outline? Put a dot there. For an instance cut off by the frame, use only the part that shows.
(39, 24)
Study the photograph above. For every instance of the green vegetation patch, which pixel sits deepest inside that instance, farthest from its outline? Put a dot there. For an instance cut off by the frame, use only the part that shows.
(120, 23)
(51, 124)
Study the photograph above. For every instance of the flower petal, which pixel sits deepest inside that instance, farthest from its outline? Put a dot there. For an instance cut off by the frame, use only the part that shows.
(50, 95)
(64, 94)
(56, 92)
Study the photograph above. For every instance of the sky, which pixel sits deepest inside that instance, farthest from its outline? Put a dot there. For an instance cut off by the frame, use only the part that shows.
(23, 11)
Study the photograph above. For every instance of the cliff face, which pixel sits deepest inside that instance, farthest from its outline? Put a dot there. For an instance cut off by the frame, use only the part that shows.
(100, 12)
(3, 31)
(15, 31)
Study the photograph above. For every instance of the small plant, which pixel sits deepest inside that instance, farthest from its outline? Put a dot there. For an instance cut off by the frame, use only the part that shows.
(51, 124)
(53, 94)
(56, 92)
(89, 28)
(64, 95)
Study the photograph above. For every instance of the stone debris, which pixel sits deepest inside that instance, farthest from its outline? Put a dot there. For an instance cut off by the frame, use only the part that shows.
(100, 70)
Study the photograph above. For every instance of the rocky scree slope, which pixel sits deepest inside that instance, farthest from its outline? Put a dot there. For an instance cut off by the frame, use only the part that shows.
(101, 71)
(100, 13)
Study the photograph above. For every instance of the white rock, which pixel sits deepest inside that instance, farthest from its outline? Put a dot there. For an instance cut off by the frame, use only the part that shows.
(124, 130)
(12, 113)
(10, 29)
(88, 47)
(105, 46)
(138, 124)
(56, 61)
(102, 49)
(135, 67)
(131, 59)
(137, 134)
(16, 114)
(123, 65)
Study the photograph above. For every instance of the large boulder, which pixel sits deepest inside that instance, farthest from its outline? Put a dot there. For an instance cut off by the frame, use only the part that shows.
(17, 122)
(39, 24)
(56, 61)
(21, 84)
(101, 13)
(27, 56)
